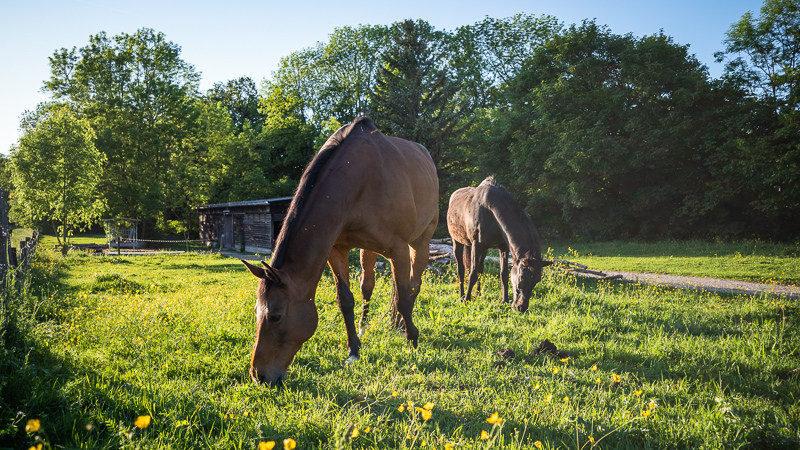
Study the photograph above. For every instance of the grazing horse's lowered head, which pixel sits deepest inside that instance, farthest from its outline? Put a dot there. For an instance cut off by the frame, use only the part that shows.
(282, 325)
(526, 273)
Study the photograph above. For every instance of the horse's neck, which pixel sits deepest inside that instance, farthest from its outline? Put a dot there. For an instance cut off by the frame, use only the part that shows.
(518, 230)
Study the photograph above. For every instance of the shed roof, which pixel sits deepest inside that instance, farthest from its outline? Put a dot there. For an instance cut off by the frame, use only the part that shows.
(243, 204)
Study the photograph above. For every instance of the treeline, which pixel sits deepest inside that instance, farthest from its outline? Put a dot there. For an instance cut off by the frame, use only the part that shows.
(598, 135)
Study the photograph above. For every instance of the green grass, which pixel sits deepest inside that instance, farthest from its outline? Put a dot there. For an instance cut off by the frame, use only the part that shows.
(757, 261)
(170, 337)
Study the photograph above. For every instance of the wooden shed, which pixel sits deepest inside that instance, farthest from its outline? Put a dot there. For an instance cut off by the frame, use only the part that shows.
(251, 226)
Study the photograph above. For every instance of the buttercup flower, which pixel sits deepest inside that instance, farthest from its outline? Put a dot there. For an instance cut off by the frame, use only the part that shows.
(555, 370)
(401, 408)
(616, 378)
(266, 445)
(637, 393)
(646, 412)
(289, 444)
(537, 444)
(394, 393)
(33, 426)
(494, 418)
(484, 435)
(548, 398)
(354, 434)
(142, 422)
(428, 406)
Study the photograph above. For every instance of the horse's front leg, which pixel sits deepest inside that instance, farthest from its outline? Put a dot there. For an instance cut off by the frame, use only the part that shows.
(504, 273)
(340, 266)
(368, 260)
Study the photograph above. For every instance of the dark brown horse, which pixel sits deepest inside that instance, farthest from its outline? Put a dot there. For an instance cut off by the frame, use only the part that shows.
(362, 190)
(484, 217)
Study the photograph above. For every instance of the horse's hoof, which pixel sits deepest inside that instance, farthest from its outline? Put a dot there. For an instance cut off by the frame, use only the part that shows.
(351, 360)
(414, 342)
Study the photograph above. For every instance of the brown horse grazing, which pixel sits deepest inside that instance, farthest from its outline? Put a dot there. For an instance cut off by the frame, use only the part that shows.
(488, 217)
(362, 190)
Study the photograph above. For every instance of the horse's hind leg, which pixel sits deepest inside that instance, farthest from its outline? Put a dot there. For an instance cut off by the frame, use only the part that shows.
(477, 256)
(340, 266)
(458, 253)
(368, 260)
(403, 300)
(420, 252)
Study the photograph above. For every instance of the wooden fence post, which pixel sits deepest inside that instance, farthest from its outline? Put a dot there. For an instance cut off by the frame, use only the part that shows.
(5, 243)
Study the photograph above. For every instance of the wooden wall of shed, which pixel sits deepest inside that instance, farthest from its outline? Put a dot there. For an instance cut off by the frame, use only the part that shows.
(258, 232)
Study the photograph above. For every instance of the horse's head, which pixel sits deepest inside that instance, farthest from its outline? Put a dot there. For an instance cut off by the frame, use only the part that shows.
(525, 274)
(284, 321)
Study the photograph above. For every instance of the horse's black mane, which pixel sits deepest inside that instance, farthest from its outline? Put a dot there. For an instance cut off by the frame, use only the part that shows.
(308, 180)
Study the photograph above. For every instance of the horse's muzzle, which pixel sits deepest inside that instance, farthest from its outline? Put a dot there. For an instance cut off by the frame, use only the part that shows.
(261, 378)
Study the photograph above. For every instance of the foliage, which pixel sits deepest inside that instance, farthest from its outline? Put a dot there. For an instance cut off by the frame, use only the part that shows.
(138, 95)
(122, 339)
(763, 58)
(610, 135)
(240, 98)
(56, 170)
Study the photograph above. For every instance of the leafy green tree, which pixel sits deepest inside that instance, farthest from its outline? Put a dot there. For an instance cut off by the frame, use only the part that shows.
(416, 95)
(56, 170)
(240, 98)
(608, 135)
(139, 96)
(762, 55)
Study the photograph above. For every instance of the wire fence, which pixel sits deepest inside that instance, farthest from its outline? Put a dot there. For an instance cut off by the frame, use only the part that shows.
(14, 263)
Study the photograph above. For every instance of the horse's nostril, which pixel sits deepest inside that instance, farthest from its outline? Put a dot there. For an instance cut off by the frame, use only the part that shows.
(274, 318)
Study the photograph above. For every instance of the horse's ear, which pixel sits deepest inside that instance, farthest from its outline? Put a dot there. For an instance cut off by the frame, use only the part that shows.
(257, 272)
(272, 273)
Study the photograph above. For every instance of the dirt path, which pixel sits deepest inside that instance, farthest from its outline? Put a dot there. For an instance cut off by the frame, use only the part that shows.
(704, 284)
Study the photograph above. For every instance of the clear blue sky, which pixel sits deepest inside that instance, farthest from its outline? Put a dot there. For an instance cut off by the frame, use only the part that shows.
(232, 38)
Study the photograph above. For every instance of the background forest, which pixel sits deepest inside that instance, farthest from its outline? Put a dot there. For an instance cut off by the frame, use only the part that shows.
(598, 135)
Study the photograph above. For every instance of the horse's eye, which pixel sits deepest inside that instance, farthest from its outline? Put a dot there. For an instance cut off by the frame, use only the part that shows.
(273, 318)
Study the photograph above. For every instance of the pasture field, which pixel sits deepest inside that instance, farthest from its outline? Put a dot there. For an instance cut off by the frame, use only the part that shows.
(104, 342)
(759, 261)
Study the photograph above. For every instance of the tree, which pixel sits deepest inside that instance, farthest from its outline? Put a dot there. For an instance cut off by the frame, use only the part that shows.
(608, 135)
(762, 56)
(240, 98)
(416, 95)
(56, 169)
(139, 95)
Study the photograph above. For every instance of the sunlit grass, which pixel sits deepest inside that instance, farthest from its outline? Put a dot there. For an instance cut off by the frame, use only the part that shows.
(169, 338)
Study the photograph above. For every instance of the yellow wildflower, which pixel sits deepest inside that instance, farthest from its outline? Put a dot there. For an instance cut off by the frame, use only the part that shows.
(646, 412)
(142, 422)
(652, 405)
(537, 444)
(401, 408)
(266, 445)
(536, 386)
(33, 426)
(594, 367)
(566, 399)
(494, 418)
(354, 434)
(599, 381)
(616, 378)
(394, 393)
(36, 447)
(289, 444)
(637, 393)
(555, 370)
(426, 414)
(564, 359)
(428, 406)
(591, 439)
(448, 446)
(366, 429)
(548, 398)
(484, 435)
